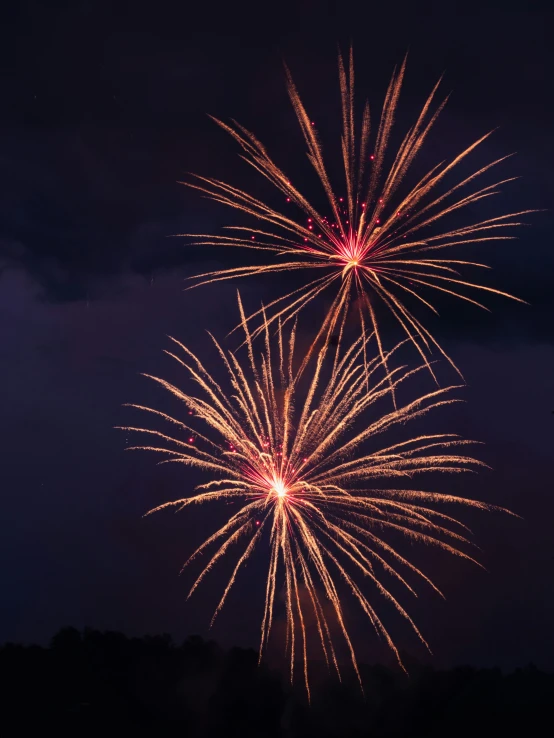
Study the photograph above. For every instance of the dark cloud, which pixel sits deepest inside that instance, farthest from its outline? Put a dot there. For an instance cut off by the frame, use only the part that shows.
(78, 551)
(104, 114)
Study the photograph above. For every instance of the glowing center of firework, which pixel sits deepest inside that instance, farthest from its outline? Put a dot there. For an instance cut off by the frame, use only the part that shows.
(351, 252)
(279, 488)
(350, 263)
(352, 249)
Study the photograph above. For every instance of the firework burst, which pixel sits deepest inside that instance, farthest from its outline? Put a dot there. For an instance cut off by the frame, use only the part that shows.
(296, 462)
(374, 245)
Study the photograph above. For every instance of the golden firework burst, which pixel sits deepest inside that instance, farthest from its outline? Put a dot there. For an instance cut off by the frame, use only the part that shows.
(377, 244)
(293, 454)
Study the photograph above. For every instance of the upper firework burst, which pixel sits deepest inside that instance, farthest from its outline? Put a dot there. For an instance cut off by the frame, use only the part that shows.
(374, 245)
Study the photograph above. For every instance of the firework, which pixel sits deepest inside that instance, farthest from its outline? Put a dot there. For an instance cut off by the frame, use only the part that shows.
(295, 462)
(377, 244)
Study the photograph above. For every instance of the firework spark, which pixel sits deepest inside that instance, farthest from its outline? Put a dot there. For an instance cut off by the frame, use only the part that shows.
(375, 245)
(294, 461)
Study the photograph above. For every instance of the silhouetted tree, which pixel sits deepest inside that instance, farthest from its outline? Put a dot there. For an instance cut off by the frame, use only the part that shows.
(91, 683)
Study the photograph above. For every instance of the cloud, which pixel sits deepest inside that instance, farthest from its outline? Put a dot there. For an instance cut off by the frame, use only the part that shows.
(79, 551)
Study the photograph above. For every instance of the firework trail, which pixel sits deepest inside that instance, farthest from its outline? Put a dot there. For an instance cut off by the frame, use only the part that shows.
(296, 463)
(374, 245)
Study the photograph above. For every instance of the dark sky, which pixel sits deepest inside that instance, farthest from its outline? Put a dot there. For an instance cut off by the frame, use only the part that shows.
(103, 109)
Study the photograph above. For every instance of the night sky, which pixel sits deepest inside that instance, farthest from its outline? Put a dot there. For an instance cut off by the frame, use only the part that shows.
(103, 110)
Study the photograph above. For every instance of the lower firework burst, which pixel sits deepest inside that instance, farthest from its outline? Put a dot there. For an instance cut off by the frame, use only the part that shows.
(305, 486)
